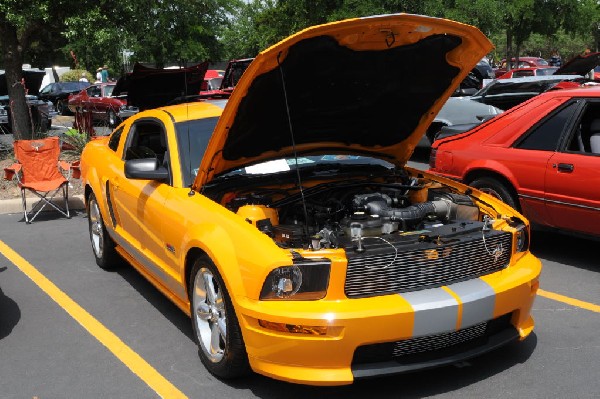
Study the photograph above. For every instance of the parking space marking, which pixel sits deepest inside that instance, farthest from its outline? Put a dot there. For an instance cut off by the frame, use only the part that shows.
(112, 342)
(570, 301)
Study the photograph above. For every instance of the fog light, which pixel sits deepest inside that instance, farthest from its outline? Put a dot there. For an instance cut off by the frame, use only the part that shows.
(293, 328)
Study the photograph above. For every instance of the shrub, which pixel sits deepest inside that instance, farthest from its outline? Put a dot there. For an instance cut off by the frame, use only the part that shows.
(75, 74)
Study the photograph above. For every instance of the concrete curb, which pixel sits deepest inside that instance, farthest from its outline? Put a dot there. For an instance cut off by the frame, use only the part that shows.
(15, 205)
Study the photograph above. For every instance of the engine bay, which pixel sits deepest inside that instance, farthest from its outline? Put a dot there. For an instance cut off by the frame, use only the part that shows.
(402, 210)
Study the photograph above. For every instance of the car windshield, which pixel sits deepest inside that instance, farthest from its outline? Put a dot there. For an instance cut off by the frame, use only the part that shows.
(517, 86)
(73, 86)
(323, 164)
(546, 71)
(192, 139)
(108, 90)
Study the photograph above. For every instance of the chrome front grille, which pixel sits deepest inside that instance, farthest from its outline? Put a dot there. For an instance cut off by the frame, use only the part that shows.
(391, 270)
(436, 342)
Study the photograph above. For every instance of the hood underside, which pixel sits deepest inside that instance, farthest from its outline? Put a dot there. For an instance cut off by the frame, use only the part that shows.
(32, 78)
(579, 65)
(365, 86)
(148, 88)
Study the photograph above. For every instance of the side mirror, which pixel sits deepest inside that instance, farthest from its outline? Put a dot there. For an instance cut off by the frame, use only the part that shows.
(145, 169)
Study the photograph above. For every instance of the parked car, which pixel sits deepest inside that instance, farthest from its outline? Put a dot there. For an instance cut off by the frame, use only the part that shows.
(285, 223)
(541, 158)
(99, 102)
(475, 80)
(146, 88)
(460, 111)
(524, 62)
(58, 93)
(529, 71)
(41, 111)
(507, 93)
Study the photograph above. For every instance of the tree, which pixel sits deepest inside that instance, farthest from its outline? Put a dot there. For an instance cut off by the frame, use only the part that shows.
(21, 23)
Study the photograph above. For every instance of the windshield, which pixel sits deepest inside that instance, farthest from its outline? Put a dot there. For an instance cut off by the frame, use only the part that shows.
(108, 89)
(321, 162)
(192, 139)
(72, 86)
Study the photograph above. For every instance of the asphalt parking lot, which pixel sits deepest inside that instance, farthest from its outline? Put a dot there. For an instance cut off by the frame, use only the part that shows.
(71, 330)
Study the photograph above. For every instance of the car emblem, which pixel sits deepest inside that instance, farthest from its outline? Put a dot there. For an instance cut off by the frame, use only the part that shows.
(497, 252)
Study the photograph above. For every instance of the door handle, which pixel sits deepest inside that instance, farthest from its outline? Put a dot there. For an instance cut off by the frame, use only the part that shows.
(565, 167)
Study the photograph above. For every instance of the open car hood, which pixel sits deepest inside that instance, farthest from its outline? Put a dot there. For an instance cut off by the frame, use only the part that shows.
(33, 81)
(368, 86)
(148, 88)
(579, 65)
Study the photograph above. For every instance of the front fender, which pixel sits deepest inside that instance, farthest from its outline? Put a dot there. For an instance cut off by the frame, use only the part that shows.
(243, 255)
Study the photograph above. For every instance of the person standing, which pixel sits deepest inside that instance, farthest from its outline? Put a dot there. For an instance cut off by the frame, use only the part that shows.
(104, 74)
(99, 75)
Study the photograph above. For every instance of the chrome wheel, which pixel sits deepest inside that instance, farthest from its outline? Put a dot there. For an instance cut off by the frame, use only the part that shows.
(96, 228)
(209, 315)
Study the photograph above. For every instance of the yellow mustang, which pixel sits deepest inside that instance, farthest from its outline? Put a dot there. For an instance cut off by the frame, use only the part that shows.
(285, 223)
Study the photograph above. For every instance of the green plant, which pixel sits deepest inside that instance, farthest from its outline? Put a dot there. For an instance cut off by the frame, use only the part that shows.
(75, 74)
(73, 143)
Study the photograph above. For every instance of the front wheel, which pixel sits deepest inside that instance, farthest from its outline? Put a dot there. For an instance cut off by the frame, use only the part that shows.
(61, 107)
(496, 189)
(216, 328)
(102, 245)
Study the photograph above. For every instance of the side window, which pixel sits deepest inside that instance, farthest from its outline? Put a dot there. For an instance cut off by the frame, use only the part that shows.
(113, 142)
(146, 140)
(545, 136)
(585, 137)
(93, 91)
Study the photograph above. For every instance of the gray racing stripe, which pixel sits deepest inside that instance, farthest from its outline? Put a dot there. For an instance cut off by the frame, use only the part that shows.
(479, 300)
(436, 311)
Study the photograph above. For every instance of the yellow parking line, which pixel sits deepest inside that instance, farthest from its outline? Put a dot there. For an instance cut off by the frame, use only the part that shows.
(113, 343)
(570, 301)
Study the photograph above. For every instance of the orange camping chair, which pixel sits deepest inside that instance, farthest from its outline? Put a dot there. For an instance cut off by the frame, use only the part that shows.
(38, 170)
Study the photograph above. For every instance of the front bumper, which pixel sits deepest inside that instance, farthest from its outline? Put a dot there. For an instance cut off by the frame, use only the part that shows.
(354, 324)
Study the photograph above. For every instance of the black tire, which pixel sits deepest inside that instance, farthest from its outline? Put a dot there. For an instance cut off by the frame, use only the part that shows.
(61, 107)
(103, 246)
(228, 358)
(496, 189)
(112, 118)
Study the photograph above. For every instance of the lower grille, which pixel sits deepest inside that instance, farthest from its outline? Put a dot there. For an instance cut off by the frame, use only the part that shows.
(437, 342)
(431, 347)
(386, 270)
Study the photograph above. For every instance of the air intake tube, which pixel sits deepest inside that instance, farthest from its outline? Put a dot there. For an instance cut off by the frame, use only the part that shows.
(379, 204)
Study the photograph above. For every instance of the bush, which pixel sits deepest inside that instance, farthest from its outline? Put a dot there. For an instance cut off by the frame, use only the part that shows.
(75, 74)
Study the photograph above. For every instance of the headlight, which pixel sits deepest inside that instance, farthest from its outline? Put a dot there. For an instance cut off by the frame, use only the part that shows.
(521, 235)
(303, 281)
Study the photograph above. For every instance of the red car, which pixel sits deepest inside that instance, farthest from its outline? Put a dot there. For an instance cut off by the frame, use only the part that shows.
(529, 71)
(98, 100)
(541, 157)
(524, 62)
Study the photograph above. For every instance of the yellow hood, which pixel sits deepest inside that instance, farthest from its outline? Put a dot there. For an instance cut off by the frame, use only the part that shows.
(367, 86)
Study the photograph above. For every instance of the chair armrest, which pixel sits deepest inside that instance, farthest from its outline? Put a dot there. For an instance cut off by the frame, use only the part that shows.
(11, 171)
(72, 169)
(76, 170)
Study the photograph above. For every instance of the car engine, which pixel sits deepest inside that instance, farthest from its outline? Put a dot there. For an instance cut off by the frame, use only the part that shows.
(344, 215)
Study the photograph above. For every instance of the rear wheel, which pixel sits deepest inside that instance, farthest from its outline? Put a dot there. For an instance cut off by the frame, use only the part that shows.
(496, 189)
(216, 328)
(102, 245)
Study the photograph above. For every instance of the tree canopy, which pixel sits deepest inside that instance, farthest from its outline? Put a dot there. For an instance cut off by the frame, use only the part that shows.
(87, 34)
